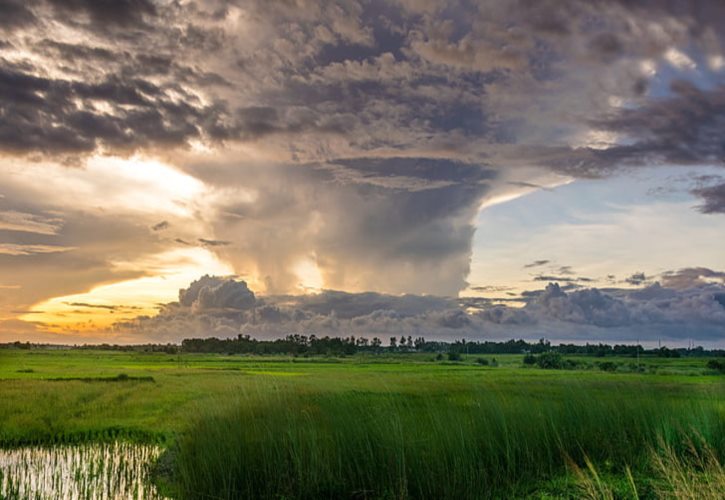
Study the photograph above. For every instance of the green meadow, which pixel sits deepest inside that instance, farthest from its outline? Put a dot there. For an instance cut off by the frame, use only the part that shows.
(381, 426)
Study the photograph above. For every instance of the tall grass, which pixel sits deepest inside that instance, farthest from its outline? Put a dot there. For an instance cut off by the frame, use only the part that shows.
(90, 471)
(464, 445)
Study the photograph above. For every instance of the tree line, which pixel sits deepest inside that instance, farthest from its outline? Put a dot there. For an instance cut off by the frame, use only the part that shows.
(312, 345)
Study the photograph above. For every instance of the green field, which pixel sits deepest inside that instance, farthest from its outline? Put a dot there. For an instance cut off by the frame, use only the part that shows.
(381, 426)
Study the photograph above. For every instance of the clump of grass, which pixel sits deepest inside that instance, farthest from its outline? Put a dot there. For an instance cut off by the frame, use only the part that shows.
(112, 470)
(463, 446)
(25, 370)
(696, 475)
(121, 377)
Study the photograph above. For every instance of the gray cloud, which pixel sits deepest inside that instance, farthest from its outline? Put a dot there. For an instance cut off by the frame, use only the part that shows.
(215, 293)
(360, 235)
(225, 307)
(377, 128)
(41, 114)
(536, 263)
(692, 277)
(684, 129)
(374, 75)
(214, 243)
(713, 198)
(15, 14)
(636, 279)
(106, 12)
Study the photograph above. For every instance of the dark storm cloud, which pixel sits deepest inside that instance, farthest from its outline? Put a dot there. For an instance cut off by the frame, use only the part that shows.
(226, 307)
(367, 225)
(687, 128)
(40, 115)
(107, 12)
(462, 81)
(15, 14)
(377, 128)
(713, 198)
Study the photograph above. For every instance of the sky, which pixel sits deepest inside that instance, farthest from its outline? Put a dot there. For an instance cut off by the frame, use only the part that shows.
(449, 169)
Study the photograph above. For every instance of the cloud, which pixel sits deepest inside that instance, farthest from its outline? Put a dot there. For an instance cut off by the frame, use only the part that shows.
(356, 235)
(713, 198)
(536, 263)
(214, 243)
(11, 220)
(214, 293)
(107, 12)
(226, 307)
(692, 277)
(349, 145)
(160, 226)
(43, 114)
(14, 14)
(636, 279)
(20, 249)
(683, 129)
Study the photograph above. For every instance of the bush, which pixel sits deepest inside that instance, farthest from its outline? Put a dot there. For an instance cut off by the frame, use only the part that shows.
(439, 357)
(550, 361)
(607, 366)
(529, 359)
(717, 365)
(482, 361)
(454, 356)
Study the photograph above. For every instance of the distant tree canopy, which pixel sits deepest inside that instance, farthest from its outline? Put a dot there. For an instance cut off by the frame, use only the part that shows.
(298, 344)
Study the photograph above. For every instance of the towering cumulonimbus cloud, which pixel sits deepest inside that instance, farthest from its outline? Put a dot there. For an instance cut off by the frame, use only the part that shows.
(335, 145)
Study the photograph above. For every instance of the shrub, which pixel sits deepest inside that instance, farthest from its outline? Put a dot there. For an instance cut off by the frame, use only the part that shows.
(550, 361)
(717, 365)
(454, 356)
(482, 361)
(439, 357)
(607, 366)
(529, 359)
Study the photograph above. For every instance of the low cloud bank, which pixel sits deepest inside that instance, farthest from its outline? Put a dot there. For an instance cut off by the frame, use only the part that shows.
(224, 307)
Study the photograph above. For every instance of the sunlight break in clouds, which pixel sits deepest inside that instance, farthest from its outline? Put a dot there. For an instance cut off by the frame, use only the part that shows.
(104, 305)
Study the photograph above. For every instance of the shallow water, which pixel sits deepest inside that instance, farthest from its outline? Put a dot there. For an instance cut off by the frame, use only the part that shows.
(91, 471)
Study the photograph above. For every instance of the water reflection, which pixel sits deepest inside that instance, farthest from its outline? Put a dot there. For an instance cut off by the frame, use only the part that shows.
(93, 471)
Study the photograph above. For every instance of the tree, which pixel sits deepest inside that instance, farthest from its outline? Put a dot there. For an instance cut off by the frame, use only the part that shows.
(393, 342)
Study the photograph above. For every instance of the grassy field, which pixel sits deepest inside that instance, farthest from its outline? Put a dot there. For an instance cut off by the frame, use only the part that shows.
(388, 426)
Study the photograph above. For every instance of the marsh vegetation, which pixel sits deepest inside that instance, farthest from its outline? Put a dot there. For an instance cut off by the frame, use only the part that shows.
(365, 426)
(78, 472)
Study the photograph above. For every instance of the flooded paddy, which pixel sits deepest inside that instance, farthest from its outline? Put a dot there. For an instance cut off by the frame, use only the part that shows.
(92, 471)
